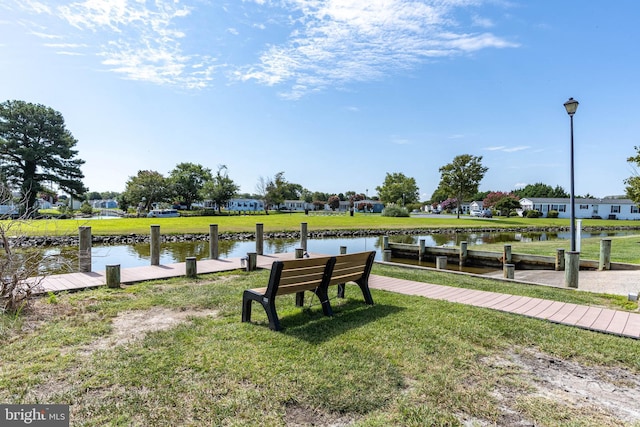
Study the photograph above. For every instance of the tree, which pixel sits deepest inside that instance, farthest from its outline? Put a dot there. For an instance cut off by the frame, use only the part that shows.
(275, 191)
(496, 196)
(633, 183)
(36, 147)
(334, 202)
(146, 188)
(221, 188)
(460, 178)
(507, 204)
(93, 195)
(399, 189)
(541, 190)
(187, 181)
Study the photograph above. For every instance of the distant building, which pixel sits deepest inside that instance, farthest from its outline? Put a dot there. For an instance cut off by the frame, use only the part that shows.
(245, 205)
(607, 208)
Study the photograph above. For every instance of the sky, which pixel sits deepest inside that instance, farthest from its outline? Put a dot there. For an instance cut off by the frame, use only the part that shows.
(335, 93)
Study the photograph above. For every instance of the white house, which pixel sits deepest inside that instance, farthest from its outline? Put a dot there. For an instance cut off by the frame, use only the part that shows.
(245, 205)
(297, 205)
(607, 208)
(476, 205)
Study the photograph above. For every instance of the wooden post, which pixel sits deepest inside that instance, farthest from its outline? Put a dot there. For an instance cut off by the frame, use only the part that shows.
(303, 235)
(260, 239)
(572, 266)
(343, 251)
(605, 255)
(191, 267)
(252, 261)
(386, 255)
(441, 262)
(509, 271)
(84, 254)
(385, 242)
(422, 249)
(213, 241)
(155, 245)
(113, 276)
(506, 254)
(463, 253)
(559, 259)
(299, 295)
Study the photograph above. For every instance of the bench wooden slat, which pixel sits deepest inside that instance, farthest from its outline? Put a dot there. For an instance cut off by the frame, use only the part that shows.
(314, 274)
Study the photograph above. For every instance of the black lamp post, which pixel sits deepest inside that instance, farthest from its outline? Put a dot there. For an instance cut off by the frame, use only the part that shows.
(571, 106)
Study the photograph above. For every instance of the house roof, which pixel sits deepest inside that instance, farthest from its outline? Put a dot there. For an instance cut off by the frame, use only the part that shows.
(583, 201)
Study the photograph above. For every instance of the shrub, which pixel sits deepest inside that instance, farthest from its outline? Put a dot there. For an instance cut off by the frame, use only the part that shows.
(86, 208)
(396, 211)
(552, 214)
(533, 213)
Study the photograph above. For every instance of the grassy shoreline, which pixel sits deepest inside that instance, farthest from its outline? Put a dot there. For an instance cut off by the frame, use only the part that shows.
(291, 222)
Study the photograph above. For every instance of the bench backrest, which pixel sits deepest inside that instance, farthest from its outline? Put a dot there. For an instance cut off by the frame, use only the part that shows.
(352, 267)
(302, 274)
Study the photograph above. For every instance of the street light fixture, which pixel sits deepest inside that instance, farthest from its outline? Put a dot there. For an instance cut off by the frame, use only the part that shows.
(571, 106)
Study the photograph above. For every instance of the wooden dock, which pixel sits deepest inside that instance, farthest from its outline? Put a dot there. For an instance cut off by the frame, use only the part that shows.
(621, 323)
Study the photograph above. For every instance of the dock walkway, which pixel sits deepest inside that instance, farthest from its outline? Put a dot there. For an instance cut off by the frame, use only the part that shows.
(621, 323)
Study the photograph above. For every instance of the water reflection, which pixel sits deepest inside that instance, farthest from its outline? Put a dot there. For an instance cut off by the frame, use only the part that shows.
(65, 259)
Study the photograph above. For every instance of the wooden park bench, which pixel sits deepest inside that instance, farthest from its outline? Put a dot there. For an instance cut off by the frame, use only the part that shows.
(310, 274)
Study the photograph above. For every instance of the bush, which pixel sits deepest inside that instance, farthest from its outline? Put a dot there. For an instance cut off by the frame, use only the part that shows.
(552, 214)
(396, 211)
(533, 214)
(86, 208)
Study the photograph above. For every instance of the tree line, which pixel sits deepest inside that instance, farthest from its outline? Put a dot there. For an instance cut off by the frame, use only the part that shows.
(37, 152)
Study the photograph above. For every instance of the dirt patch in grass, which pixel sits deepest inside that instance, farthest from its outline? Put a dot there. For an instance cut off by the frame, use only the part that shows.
(299, 416)
(601, 394)
(130, 326)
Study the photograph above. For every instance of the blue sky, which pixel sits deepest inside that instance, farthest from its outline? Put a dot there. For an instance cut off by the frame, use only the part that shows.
(335, 93)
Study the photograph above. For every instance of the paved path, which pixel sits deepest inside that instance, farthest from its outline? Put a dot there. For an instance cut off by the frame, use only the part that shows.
(620, 323)
(599, 319)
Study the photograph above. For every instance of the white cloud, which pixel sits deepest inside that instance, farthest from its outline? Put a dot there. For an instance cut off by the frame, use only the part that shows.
(514, 149)
(334, 42)
(508, 149)
(312, 45)
(400, 141)
(479, 21)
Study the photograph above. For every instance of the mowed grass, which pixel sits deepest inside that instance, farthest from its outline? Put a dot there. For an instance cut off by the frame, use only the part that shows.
(406, 361)
(624, 249)
(289, 222)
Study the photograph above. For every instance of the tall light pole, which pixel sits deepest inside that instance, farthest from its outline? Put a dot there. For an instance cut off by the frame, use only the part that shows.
(571, 106)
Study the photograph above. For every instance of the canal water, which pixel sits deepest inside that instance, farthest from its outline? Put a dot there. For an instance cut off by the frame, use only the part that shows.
(63, 260)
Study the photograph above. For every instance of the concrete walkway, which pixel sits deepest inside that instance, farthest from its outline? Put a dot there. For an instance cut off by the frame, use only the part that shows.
(599, 319)
(615, 282)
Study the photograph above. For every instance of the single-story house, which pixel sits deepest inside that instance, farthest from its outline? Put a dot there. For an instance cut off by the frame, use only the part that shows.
(245, 205)
(297, 205)
(606, 208)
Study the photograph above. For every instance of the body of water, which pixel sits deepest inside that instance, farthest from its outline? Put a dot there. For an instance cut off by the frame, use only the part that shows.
(63, 260)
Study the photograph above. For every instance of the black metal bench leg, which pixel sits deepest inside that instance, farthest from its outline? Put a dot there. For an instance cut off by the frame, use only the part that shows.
(366, 293)
(270, 308)
(341, 290)
(300, 299)
(323, 296)
(246, 308)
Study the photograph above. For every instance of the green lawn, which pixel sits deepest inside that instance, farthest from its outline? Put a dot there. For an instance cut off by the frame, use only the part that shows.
(406, 361)
(291, 222)
(624, 249)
